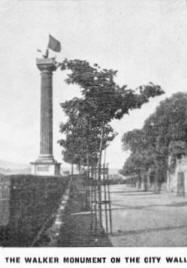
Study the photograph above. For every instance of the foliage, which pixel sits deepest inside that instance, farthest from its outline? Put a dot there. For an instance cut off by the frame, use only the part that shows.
(141, 157)
(88, 129)
(177, 148)
(105, 98)
(163, 134)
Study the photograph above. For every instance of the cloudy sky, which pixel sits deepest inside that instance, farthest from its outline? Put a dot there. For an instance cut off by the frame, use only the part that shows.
(144, 40)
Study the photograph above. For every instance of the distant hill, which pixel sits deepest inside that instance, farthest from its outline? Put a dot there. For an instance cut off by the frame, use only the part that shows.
(7, 167)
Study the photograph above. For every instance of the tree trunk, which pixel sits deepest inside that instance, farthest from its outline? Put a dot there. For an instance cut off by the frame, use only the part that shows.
(157, 181)
(149, 179)
(72, 169)
(138, 184)
(144, 181)
(79, 167)
(87, 187)
(99, 179)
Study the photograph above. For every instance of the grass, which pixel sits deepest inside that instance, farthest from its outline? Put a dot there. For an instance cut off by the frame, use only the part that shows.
(76, 231)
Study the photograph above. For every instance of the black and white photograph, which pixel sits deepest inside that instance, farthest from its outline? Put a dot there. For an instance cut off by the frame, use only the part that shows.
(93, 124)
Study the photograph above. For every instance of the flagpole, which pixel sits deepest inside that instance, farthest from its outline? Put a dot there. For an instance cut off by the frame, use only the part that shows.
(47, 53)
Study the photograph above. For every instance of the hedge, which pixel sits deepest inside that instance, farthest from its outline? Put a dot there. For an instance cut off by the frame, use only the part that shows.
(31, 200)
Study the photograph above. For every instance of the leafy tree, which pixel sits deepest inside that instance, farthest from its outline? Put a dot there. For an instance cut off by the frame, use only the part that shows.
(165, 126)
(102, 99)
(83, 134)
(140, 159)
(164, 134)
(105, 99)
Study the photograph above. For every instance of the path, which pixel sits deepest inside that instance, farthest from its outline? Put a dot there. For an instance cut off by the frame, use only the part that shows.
(147, 219)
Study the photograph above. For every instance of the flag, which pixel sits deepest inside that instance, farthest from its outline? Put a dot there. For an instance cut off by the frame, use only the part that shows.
(54, 44)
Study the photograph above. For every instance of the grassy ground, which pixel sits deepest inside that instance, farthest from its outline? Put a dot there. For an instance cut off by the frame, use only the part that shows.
(76, 231)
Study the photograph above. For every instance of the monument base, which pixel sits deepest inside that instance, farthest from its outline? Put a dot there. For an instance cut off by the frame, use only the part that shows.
(45, 167)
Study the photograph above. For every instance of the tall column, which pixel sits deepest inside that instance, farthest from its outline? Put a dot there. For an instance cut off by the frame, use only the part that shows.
(45, 164)
(46, 110)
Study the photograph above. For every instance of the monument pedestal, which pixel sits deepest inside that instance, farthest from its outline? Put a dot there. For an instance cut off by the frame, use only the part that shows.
(45, 165)
(45, 168)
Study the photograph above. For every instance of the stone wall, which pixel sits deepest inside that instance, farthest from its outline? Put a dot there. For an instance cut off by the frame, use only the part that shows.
(173, 183)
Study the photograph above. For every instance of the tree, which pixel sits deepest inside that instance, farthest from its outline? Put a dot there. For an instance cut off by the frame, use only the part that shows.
(165, 126)
(82, 132)
(164, 134)
(140, 159)
(102, 99)
(105, 98)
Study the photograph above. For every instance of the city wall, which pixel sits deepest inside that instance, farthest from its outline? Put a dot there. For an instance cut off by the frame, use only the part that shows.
(26, 203)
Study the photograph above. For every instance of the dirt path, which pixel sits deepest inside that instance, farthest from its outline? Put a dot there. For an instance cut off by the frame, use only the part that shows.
(147, 219)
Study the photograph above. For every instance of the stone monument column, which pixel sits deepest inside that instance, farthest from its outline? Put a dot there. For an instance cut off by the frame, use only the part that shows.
(46, 113)
(45, 164)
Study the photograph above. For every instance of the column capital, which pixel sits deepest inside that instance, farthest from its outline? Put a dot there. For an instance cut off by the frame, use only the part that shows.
(46, 65)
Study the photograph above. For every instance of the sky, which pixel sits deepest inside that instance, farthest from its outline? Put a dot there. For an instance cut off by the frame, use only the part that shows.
(144, 40)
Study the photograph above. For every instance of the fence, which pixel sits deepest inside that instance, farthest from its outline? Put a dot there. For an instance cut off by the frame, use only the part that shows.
(98, 187)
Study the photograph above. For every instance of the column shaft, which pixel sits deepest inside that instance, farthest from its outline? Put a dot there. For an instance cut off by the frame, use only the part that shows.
(46, 114)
